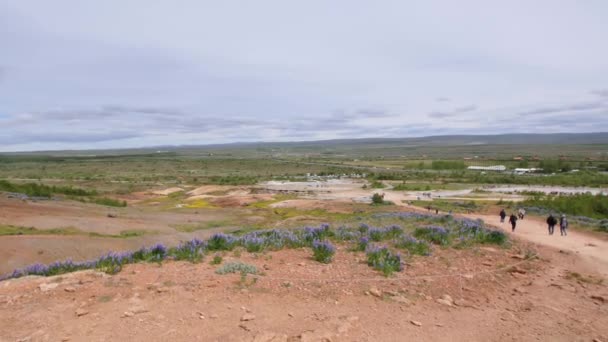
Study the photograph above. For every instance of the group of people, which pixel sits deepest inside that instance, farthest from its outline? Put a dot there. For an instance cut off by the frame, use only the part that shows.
(563, 224)
(551, 221)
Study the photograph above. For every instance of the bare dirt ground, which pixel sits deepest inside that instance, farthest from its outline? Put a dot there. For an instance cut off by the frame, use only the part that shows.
(88, 217)
(483, 294)
(475, 295)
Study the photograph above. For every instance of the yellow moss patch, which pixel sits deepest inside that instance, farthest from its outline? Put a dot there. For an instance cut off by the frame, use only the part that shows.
(199, 204)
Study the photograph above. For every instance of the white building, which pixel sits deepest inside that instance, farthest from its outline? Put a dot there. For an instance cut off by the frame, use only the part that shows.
(488, 168)
(521, 171)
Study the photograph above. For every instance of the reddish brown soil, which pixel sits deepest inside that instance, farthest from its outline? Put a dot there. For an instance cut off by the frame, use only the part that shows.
(298, 299)
(94, 218)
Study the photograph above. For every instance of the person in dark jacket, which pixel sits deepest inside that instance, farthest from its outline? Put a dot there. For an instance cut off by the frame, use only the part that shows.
(563, 225)
(503, 214)
(513, 221)
(551, 222)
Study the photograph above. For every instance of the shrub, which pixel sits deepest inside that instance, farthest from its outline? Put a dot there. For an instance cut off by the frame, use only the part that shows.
(221, 242)
(322, 232)
(381, 259)
(413, 245)
(362, 244)
(375, 234)
(393, 231)
(237, 267)
(363, 228)
(377, 185)
(493, 236)
(158, 252)
(377, 198)
(112, 262)
(217, 259)
(253, 243)
(323, 251)
(192, 251)
(435, 234)
(594, 206)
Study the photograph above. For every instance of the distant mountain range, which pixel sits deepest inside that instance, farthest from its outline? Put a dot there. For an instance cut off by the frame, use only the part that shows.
(451, 140)
(395, 146)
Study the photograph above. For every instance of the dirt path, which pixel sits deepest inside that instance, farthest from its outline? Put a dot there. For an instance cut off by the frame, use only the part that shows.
(591, 249)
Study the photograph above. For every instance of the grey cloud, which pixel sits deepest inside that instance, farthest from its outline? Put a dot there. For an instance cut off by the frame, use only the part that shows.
(453, 112)
(600, 92)
(373, 113)
(66, 137)
(565, 108)
(440, 115)
(465, 109)
(442, 99)
(364, 113)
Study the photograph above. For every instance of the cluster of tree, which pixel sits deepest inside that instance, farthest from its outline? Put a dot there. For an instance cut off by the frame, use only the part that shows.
(595, 206)
(41, 190)
(582, 178)
(448, 165)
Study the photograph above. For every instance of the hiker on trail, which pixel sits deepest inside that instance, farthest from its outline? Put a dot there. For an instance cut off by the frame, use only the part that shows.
(521, 213)
(436, 211)
(513, 221)
(503, 214)
(551, 222)
(563, 225)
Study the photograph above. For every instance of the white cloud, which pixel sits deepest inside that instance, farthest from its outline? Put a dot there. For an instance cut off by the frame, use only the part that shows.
(145, 73)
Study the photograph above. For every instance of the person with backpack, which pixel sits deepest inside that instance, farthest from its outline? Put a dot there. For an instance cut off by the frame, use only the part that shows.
(503, 214)
(513, 221)
(563, 225)
(551, 222)
(521, 213)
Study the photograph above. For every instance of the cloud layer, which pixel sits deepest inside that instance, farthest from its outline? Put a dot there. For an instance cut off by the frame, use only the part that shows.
(139, 73)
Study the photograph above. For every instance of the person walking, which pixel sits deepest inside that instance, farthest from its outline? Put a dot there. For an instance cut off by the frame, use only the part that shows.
(521, 213)
(503, 214)
(563, 225)
(513, 221)
(551, 222)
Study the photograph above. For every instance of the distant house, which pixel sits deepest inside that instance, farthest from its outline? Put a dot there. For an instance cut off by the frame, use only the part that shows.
(488, 168)
(521, 171)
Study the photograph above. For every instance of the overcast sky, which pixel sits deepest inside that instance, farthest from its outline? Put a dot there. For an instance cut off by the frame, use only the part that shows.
(125, 73)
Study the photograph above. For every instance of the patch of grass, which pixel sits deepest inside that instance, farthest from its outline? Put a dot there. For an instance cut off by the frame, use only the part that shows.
(110, 202)
(456, 206)
(594, 206)
(199, 204)
(41, 190)
(131, 233)
(189, 228)
(377, 185)
(104, 299)
(584, 279)
(276, 199)
(217, 259)
(237, 267)
(17, 230)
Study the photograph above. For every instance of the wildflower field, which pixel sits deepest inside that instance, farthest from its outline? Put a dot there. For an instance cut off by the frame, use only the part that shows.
(384, 247)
